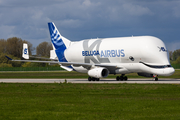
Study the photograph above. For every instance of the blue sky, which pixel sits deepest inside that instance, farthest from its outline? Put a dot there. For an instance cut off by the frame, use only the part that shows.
(84, 19)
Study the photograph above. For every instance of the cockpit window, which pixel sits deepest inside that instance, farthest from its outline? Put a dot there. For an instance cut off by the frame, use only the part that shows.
(156, 66)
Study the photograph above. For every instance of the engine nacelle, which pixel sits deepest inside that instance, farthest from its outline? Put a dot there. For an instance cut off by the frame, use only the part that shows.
(98, 72)
(145, 74)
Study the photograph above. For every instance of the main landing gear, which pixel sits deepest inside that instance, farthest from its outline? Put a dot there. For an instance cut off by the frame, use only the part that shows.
(122, 77)
(93, 79)
(118, 78)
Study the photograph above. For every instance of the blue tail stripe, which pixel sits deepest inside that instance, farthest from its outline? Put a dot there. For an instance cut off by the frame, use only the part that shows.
(60, 53)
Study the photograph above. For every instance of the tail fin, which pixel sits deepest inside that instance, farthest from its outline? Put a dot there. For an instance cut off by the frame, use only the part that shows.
(25, 51)
(59, 42)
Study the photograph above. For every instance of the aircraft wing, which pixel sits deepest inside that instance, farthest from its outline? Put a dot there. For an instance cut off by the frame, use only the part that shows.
(85, 65)
(42, 58)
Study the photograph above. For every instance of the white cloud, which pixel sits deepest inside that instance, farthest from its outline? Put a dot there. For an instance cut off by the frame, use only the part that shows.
(136, 10)
(70, 23)
(28, 20)
(87, 2)
(37, 15)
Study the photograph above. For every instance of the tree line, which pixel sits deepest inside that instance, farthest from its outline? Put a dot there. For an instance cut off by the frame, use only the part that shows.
(12, 47)
(174, 56)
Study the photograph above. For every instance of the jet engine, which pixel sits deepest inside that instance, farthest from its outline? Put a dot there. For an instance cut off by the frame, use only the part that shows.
(98, 72)
(145, 74)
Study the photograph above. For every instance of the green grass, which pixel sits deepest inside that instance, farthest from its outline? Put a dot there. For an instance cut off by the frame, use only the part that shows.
(66, 75)
(89, 101)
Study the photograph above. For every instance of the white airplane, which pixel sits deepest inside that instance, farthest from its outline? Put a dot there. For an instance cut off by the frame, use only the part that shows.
(145, 55)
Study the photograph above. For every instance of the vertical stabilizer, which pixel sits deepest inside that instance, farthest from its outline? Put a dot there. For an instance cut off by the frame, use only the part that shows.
(59, 42)
(25, 52)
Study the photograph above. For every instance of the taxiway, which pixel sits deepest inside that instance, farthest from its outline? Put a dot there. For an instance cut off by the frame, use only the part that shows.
(139, 81)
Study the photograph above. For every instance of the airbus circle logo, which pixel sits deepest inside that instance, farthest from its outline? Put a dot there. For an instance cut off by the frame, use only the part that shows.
(162, 49)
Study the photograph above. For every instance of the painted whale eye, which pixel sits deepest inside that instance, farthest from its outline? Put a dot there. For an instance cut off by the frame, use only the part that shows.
(131, 58)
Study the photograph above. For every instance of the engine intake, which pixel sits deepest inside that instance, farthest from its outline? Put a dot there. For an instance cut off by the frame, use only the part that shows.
(98, 72)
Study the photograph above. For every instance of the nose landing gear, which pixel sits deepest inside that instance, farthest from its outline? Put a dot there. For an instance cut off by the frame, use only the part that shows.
(155, 77)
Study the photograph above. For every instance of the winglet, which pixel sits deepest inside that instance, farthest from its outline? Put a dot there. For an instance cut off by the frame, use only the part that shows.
(8, 58)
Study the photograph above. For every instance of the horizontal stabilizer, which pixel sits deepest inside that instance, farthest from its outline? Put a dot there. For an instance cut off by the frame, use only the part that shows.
(8, 58)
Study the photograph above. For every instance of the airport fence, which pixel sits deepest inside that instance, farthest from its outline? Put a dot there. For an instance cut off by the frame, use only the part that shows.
(30, 68)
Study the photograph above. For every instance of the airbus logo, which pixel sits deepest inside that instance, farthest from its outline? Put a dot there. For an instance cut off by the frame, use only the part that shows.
(105, 53)
(112, 53)
(162, 49)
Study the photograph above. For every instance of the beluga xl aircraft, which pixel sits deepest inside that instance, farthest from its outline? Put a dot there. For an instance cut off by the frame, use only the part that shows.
(145, 55)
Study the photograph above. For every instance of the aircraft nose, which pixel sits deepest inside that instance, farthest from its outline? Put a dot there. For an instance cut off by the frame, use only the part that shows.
(171, 71)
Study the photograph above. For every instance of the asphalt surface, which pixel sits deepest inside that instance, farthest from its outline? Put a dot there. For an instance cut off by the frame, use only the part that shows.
(140, 81)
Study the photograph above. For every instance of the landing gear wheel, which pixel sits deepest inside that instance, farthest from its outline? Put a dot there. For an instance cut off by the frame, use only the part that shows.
(125, 78)
(121, 78)
(156, 79)
(97, 79)
(117, 78)
(93, 79)
(89, 78)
